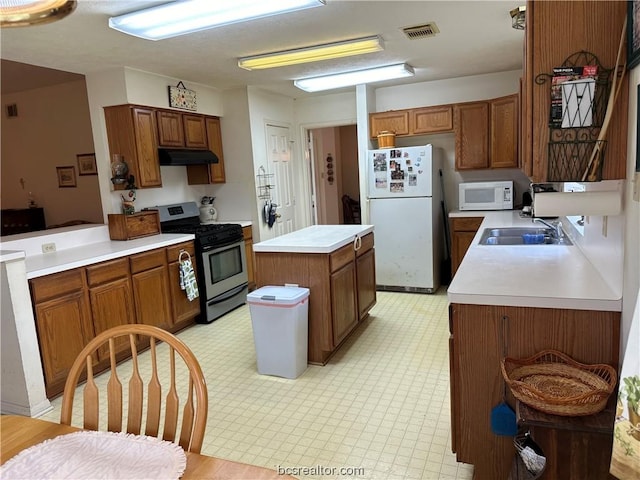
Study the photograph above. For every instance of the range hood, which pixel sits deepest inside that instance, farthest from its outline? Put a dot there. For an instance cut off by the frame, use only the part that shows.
(186, 157)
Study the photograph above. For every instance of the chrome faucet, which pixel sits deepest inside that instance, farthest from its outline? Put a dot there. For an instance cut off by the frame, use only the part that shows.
(555, 226)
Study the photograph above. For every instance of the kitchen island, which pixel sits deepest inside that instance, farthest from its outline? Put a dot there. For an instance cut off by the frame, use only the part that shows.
(337, 264)
(515, 301)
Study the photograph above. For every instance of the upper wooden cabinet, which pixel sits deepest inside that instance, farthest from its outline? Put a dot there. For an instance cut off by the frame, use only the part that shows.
(396, 121)
(170, 129)
(431, 120)
(487, 133)
(133, 133)
(137, 132)
(413, 121)
(595, 28)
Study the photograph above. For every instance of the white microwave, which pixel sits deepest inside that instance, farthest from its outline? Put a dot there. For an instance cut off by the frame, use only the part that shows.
(486, 196)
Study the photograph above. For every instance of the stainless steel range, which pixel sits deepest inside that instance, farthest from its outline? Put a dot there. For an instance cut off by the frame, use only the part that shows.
(221, 264)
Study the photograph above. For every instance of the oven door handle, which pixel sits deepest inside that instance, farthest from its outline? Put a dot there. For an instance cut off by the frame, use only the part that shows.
(217, 246)
(227, 295)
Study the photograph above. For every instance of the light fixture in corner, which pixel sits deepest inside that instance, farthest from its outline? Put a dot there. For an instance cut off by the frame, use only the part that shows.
(518, 17)
(315, 53)
(178, 18)
(345, 79)
(23, 13)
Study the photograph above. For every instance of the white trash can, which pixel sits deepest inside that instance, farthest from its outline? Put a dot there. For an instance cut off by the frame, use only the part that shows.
(279, 316)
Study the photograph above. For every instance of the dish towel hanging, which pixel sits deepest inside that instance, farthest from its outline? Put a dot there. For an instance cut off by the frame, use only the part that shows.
(188, 281)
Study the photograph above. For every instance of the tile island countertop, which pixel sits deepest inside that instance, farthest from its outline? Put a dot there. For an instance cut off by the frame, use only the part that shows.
(548, 276)
(314, 239)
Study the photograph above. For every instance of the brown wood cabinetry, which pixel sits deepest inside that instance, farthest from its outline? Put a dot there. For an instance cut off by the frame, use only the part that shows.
(463, 229)
(429, 120)
(71, 307)
(63, 323)
(183, 310)
(127, 227)
(337, 281)
(136, 133)
(111, 300)
(412, 121)
(596, 28)
(487, 133)
(150, 278)
(133, 133)
(203, 174)
(247, 233)
(483, 334)
(396, 121)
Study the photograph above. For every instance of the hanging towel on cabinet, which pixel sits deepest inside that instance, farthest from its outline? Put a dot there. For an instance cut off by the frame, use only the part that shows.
(188, 281)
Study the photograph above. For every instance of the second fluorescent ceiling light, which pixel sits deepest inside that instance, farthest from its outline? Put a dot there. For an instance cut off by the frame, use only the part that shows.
(346, 79)
(177, 18)
(315, 53)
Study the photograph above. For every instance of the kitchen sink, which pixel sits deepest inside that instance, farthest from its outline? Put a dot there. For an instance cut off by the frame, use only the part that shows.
(522, 236)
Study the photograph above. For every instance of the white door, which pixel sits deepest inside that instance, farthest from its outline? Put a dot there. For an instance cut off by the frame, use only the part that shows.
(283, 170)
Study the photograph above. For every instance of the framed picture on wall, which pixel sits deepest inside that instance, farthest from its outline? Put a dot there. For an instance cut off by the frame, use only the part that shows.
(87, 164)
(66, 176)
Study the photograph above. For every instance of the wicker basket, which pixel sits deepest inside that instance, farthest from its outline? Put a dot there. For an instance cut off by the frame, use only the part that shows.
(554, 383)
(386, 139)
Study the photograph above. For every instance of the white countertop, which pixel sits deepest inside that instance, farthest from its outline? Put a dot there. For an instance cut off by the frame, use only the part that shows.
(10, 255)
(314, 239)
(79, 256)
(550, 276)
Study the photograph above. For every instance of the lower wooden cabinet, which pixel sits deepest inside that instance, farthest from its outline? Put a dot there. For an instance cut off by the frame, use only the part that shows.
(73, 306)
(344, 302)
(184, 310)
(366, 277)
(463, 229)
(150, 279)
(481, 335)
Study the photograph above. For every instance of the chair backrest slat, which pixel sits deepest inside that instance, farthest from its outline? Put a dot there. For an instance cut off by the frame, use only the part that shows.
(195, 399)
(136, 392)
(187, 416)
(154, 395)
(91, 405)
(114, 393)
(172, 402)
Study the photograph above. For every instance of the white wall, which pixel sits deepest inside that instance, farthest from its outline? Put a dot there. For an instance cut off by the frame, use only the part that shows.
(267, 108)
(52, 127)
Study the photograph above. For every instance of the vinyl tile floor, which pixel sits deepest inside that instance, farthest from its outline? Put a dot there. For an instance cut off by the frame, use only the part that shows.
(378, 410)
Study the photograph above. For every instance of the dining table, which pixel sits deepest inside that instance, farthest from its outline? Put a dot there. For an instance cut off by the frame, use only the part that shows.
(18, 433)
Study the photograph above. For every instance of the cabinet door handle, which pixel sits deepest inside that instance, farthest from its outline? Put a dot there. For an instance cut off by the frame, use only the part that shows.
(357, 243)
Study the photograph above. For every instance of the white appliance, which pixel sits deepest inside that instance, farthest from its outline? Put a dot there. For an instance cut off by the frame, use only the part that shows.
(486, 195)
(405, 209)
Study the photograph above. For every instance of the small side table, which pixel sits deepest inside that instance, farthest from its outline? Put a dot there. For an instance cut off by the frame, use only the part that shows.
(576, 448)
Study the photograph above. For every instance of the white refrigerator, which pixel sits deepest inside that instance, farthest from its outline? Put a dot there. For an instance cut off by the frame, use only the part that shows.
(406, 211)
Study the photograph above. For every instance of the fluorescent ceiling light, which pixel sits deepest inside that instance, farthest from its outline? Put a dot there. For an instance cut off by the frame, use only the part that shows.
(177, 18)
(315, 53)
(328, 82)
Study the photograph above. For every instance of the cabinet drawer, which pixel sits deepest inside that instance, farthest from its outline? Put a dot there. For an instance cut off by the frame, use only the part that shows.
(466, 224)
(431, 120)
(145, 261)
(367, 244)
(57, 284)
(173, 252)
(126, 227)
(341, 257)
(107, 271)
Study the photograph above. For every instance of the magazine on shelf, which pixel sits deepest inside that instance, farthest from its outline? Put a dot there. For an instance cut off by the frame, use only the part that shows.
(578, 93)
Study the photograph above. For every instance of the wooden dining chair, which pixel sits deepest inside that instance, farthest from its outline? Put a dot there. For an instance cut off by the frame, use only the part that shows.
(194, 400)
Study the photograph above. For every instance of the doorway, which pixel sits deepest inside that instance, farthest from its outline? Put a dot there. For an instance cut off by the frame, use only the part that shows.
(332, 153)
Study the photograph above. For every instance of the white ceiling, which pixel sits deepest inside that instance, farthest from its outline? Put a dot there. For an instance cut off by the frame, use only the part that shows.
(475, 38)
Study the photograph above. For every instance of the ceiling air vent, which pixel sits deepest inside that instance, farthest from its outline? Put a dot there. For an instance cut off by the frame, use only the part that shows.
(421, 31)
